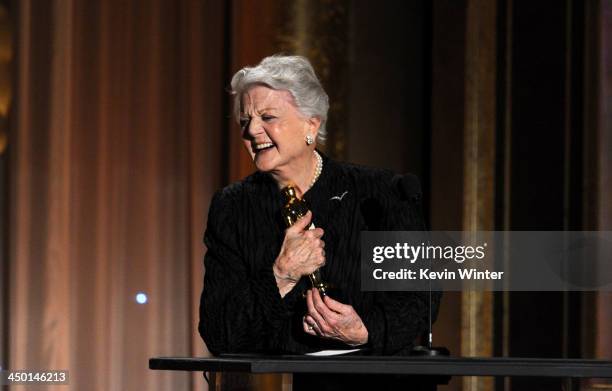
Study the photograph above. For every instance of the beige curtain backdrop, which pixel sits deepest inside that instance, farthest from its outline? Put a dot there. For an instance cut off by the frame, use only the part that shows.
(115, 155)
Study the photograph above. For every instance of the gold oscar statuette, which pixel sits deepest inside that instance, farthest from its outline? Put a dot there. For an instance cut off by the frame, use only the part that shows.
(294, 209)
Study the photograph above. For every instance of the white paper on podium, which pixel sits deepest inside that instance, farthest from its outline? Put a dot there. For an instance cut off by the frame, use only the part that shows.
(324, 353)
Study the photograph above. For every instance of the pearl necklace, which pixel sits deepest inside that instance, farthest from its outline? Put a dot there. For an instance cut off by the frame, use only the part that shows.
(318, 168)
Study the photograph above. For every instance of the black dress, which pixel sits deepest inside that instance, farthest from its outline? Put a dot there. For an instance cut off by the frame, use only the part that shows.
(241, 309)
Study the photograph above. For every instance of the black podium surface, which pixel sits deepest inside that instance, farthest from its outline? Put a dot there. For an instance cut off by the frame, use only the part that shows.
(453, 366)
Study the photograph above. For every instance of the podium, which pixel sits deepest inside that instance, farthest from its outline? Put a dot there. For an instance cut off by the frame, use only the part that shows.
(437, 369)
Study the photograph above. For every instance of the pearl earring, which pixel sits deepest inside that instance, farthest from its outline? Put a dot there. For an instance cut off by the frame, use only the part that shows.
(309, 140)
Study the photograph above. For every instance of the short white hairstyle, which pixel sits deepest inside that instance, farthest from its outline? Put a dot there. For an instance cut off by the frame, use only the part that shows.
(289, 73)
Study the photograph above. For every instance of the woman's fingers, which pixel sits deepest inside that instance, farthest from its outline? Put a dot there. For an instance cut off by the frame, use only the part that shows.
(336, 306)
(316, 316)
(332, 319)
(311, 327)
(325, 318)
(326, 313)
(316, 233)
(303, 250)
(316, 258)
(301, 224)
(320, 258)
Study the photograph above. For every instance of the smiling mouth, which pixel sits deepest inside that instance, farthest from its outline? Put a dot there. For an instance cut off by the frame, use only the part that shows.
(262, 147)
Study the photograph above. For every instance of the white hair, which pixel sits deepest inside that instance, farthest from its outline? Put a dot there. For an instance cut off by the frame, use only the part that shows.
(290, 73)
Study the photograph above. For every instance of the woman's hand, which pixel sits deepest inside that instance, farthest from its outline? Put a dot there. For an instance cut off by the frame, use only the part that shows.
(301, 254)
(329, 318)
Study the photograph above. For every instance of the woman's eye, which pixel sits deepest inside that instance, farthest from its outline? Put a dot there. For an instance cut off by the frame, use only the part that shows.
(267, 117)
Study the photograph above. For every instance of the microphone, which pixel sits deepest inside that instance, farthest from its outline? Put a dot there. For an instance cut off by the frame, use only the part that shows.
(409, 189)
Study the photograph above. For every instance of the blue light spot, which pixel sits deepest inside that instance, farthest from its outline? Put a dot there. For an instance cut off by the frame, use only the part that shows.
(141, 298)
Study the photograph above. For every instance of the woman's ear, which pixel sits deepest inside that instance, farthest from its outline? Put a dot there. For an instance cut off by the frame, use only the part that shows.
(314, 123)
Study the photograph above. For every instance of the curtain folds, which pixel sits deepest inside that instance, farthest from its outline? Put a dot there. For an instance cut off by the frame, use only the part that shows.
(115, 155)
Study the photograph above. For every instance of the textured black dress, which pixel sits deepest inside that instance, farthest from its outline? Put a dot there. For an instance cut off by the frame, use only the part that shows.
(241, 309)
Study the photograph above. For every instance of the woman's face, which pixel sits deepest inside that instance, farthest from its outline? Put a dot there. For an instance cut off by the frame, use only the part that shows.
(273, 130)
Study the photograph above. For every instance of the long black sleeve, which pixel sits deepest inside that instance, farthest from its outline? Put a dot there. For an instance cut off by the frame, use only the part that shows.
(239, 310)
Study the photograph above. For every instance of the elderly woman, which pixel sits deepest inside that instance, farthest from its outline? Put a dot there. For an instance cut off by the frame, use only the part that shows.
(257, 296)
